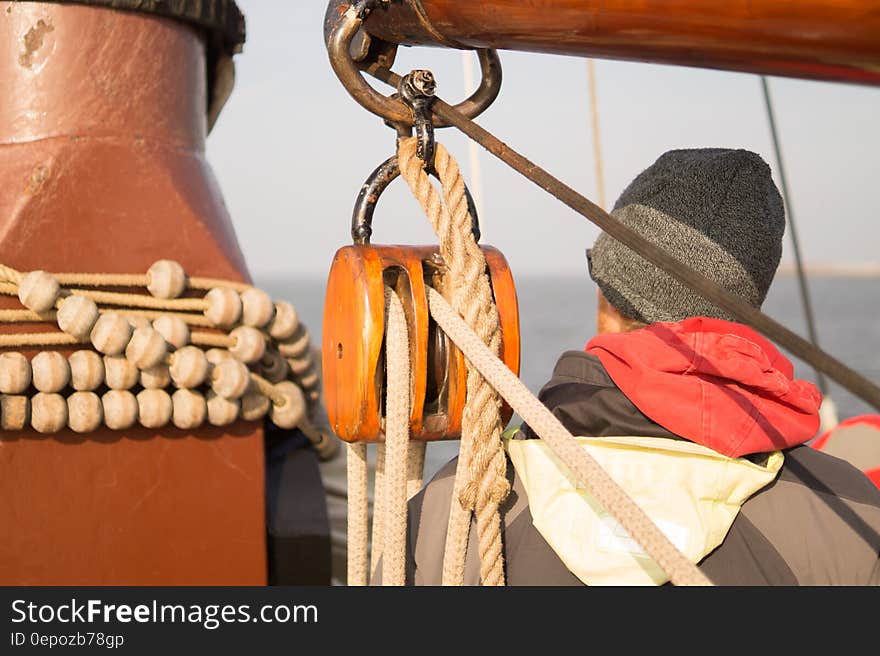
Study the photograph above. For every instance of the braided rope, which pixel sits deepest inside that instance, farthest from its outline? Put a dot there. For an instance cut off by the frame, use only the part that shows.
(586, 470)
(486, 485)
(10, 274)
(397, 413)
(377, 539)
(399, 468)
(358, 513)
(415, 468)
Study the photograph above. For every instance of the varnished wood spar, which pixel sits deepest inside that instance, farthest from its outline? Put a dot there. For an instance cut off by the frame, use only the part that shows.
(353, 332)
(819, 39)
(102, 131)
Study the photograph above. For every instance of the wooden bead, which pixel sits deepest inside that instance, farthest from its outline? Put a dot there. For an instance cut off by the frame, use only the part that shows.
(111, 333)
(221, 412)
(51, 371)
(230, 379)
(273, 367)
(38, 291)
(291, 412)
(166, 279)
(217, 355)
(15, 373)
(309, 381)
(189, 367)
(248, 344)
(301, 365)
(48, 412)
(254, 406)
(120, 372)
(158, 377)
(77, 316)
(190, 409)
(120, 409)
(147, 348)
(154, 408)
(15, 412)
(297, 346)
(224, 307)
(174, 329)
(285, 322)
(86, 370)
(85, 412)
(257, 308)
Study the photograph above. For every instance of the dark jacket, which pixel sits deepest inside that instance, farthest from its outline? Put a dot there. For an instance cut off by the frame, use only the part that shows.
(816, 523)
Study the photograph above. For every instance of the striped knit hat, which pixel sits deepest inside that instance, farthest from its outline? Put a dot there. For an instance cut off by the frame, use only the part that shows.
(716, 210)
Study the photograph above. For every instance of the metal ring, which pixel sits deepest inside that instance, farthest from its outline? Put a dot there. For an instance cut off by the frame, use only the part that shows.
(391, 109)
(365, 205)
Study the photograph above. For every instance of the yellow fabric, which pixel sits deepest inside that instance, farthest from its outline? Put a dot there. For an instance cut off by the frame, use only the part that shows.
(692, 494)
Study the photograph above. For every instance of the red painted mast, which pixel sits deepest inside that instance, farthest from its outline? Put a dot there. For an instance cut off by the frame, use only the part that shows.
(102, 165)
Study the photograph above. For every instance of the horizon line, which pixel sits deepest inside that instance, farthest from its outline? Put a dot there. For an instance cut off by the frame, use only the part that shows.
(819, 269)
(836, 269)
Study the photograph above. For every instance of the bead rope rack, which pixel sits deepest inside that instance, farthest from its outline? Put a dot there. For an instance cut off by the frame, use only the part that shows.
(153, 358)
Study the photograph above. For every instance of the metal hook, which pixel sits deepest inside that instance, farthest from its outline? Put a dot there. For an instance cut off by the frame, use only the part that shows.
(341, 30)
(365, 205)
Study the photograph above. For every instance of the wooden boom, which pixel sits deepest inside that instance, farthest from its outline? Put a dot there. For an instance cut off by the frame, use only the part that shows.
(837, 40)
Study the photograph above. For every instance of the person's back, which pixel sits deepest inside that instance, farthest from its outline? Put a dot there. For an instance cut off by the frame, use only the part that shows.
(697, 417)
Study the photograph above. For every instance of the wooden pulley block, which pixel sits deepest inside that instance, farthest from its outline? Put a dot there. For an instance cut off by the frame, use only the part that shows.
(353, 367)
(354, 331)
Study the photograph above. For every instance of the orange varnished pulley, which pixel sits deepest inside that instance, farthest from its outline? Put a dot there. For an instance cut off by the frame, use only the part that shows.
(354, 330)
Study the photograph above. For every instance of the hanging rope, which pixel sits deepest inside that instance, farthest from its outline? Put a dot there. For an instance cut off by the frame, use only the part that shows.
(397, 412)
(358, 513)
(377, 532)
(399, 468)
(485, 486)
(415, 470)
(587, 471)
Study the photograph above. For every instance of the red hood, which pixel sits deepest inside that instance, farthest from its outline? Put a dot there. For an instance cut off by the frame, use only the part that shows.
(714, 382)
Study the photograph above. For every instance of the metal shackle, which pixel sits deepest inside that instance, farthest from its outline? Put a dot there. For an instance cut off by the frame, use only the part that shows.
(365, 205)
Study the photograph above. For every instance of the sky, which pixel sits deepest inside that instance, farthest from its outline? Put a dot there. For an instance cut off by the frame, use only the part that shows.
(292, 148)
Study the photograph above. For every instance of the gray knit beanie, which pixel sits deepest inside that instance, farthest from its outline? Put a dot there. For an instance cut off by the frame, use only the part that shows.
(717, 211)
